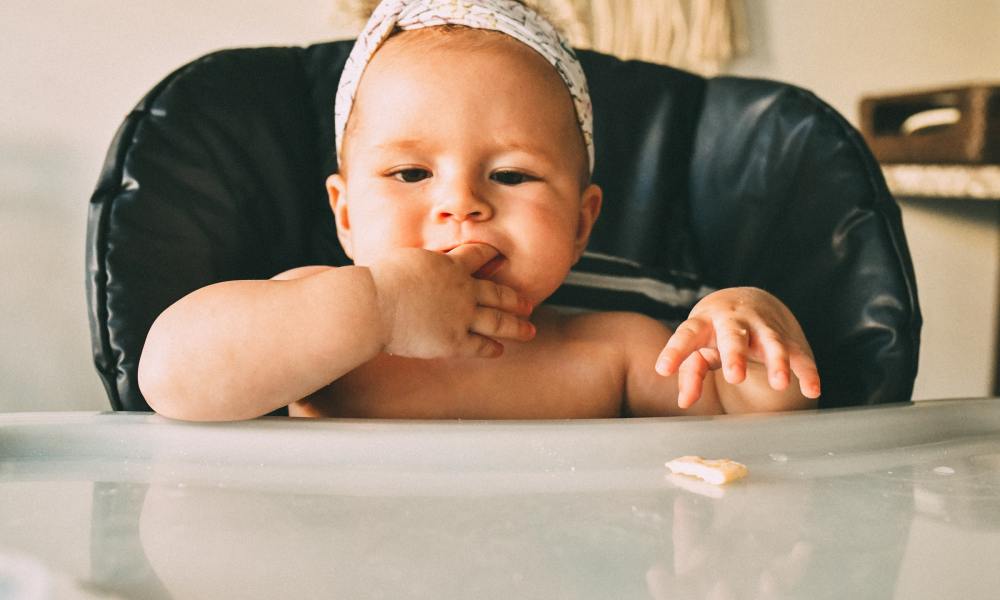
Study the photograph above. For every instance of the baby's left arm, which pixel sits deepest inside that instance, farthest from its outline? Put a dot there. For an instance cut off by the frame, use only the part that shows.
(753, 346)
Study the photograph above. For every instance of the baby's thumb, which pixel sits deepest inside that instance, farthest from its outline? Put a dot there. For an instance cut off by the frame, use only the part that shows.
(473, 256)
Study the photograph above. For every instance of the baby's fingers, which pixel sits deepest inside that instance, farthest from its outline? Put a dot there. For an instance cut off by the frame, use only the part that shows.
(775, 359)
(733, 340)
(690, 378)
(493, 323)
(480, 346)
(501, 297)
(686, 339)
(804, 368)
(473, 256)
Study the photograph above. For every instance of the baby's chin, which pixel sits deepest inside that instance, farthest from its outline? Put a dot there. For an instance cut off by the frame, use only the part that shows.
(531, 289)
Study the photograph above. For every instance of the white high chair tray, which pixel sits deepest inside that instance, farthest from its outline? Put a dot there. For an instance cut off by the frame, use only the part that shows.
(890, 502)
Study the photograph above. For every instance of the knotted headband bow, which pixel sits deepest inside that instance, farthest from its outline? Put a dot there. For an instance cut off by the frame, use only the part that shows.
(506, 16)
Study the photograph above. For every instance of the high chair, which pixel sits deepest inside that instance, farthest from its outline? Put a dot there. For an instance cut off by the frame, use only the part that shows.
(218, 174)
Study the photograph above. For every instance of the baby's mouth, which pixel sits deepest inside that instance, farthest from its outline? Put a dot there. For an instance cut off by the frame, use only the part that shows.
(486, 271)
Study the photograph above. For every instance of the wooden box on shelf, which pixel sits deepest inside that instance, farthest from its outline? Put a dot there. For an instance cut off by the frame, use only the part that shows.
(957, 125)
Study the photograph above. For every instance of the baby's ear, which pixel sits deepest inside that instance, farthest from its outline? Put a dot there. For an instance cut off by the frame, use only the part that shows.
(336, 188)
(590, 207)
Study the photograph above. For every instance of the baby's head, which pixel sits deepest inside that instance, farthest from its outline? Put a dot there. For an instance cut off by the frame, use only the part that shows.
(458, 134)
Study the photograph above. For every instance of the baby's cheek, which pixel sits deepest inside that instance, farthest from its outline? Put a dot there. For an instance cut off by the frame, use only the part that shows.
(381, 232)
(548, 270)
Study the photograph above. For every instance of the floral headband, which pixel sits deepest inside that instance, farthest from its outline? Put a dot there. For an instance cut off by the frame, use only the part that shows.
(506, 16)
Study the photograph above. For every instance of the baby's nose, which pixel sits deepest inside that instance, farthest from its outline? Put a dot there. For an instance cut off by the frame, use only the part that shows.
(462, 215)
(463, 205)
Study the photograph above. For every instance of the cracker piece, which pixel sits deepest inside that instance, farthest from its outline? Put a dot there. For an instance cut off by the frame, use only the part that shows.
(714, 471)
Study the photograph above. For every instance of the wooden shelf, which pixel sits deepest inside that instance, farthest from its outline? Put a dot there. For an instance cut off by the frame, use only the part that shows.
(976, 182)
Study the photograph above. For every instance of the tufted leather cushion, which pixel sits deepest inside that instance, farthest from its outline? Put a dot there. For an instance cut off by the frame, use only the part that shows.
(218, 173)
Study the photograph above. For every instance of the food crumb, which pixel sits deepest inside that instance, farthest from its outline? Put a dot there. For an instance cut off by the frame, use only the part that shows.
(714, 471)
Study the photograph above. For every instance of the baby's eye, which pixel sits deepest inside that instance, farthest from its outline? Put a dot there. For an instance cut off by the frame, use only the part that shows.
(411, 175)
(511, 177)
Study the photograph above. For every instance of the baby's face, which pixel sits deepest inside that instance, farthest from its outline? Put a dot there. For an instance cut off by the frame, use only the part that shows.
(456, 143)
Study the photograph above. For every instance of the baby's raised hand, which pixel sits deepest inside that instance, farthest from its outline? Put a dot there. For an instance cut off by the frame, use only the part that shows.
(730, 327)
(431, 306)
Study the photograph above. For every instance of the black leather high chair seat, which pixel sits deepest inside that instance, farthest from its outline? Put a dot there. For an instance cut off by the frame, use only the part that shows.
(219, 173)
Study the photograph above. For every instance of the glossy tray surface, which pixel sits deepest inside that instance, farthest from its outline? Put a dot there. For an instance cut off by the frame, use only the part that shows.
(891, 502)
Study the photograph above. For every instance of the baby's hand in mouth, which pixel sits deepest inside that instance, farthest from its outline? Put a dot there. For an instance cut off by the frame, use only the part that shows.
(491, 266)
(439, 305)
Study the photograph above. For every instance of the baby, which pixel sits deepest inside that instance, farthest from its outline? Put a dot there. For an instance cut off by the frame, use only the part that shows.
(463, 198)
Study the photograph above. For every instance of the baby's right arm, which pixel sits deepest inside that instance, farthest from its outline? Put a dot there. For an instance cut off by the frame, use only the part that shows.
(240, 349)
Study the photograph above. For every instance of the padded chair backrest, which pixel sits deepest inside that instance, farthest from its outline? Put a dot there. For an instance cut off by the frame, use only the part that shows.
(219, 172)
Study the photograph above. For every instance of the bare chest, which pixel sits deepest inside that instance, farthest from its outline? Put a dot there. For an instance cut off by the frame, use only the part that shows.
(531, 381)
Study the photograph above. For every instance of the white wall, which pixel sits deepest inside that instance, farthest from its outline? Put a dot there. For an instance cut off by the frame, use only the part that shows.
(849, 48)
(71, 70)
